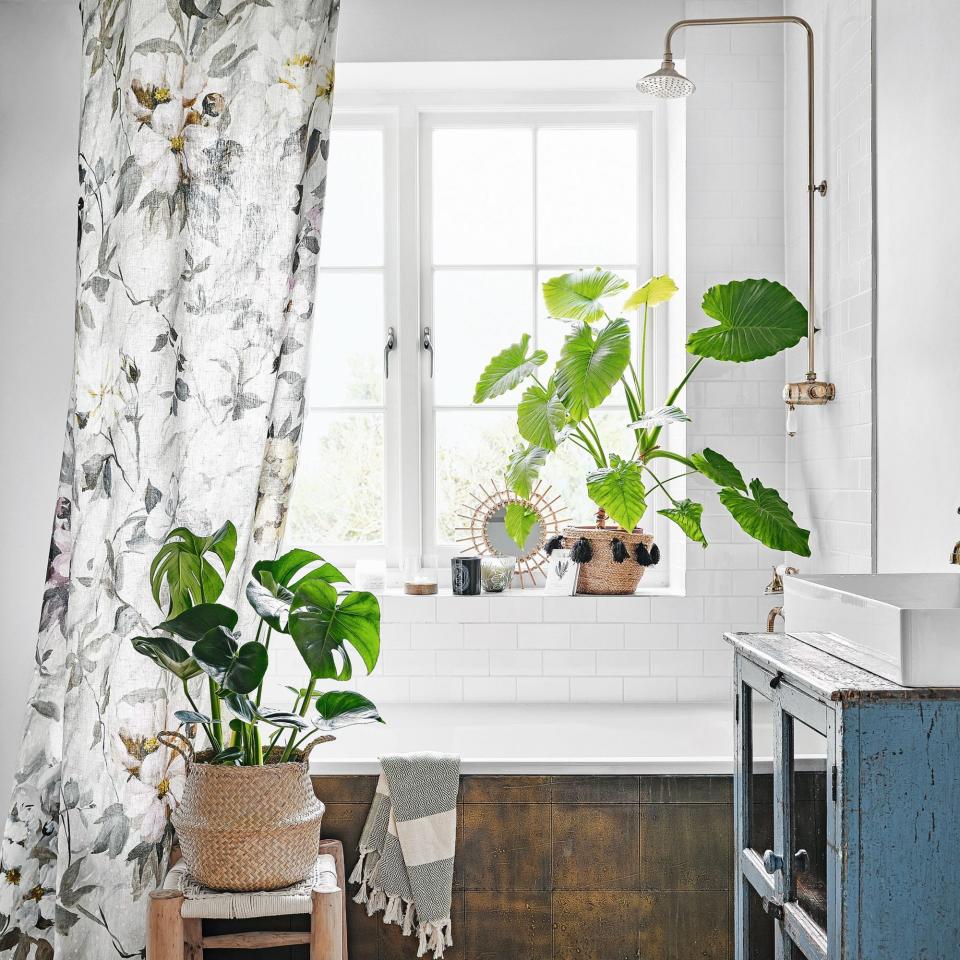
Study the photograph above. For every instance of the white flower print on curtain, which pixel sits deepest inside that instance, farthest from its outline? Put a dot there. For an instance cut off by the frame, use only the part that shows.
(203, 149)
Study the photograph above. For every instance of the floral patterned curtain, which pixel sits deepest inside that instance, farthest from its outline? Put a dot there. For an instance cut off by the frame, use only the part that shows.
(203, 146)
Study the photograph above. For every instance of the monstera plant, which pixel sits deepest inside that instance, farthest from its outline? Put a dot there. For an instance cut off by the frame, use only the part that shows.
(752, 319)
(293, 595)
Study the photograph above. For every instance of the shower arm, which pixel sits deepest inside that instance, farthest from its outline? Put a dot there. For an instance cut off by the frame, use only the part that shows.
(812, 187)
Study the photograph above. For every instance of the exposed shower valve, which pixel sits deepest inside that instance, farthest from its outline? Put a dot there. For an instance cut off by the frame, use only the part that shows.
(809, 393)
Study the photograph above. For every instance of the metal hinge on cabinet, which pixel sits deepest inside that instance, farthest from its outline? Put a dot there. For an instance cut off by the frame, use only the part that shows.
(833, 782)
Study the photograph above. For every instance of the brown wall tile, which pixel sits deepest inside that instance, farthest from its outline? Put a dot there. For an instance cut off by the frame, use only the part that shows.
(345, 789)
(596, 847)
(686, 789)
(686, 846)
(595, 789)
(506, 846)
(597, 925)
(686, 926)
(504, 789)
(504, 925)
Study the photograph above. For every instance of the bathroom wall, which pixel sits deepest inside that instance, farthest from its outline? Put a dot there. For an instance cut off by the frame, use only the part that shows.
(830, 461)
(918, 337)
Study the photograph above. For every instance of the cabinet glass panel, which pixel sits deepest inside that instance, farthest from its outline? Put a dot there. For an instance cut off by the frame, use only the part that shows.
(809, 826)
(761, 784)
(762, 930)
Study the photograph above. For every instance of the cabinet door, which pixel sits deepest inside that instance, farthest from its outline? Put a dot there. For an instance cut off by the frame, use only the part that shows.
(785, 823)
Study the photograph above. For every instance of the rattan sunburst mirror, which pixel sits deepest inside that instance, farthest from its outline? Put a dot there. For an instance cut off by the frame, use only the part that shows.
(485, 531)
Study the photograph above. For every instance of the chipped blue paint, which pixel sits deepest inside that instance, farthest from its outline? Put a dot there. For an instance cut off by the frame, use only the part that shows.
(893, 828)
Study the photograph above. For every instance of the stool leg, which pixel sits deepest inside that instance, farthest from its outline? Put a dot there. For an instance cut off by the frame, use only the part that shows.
(165, 926)
(193, 938)
(335, 849)
(326, 926)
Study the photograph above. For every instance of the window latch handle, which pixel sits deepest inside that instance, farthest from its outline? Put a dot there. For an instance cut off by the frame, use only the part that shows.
(428, 346)
(387, 349)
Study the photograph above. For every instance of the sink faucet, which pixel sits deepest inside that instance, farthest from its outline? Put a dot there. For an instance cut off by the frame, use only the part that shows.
(955, 553)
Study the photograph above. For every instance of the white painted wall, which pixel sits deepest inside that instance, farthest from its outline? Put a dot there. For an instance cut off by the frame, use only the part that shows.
(829, 462)
(918, 248)
(39, 74)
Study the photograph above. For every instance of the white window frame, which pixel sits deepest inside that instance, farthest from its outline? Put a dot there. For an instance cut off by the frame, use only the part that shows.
(407, 101)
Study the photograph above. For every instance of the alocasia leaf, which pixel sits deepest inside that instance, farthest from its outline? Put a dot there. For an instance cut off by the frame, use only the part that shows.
(620, 491)
(755, 319)
(523, 468)
(655, 290)
(519, 520)
(578, 296)
(508, 369)
(716, 467)
(541, 415)
(590, 366)
(660, 417)
(686, 515)
(767, 518)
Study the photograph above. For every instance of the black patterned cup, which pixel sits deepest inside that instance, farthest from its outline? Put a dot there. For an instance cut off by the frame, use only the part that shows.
(465, 576)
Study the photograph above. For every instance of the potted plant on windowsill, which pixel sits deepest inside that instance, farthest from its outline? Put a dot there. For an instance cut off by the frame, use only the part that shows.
(754, 319)
(248, 818)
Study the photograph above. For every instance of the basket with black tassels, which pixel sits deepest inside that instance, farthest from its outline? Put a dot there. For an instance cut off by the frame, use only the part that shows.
(611, 560)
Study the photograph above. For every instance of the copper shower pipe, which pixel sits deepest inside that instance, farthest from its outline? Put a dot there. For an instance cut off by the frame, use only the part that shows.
(812, 187)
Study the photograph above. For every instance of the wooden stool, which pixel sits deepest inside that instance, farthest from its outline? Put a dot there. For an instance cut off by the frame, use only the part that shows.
(174, 919)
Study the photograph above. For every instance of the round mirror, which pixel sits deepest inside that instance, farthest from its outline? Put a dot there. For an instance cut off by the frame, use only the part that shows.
(516, 535)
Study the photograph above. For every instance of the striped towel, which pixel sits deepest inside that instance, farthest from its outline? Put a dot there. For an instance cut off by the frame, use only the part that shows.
(407, 847)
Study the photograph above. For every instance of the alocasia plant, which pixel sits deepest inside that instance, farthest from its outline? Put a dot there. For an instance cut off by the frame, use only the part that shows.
(754, 319)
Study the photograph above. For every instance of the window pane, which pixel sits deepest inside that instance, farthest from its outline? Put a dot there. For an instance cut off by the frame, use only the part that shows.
(477, 314)
(338, 495)
(587, 196)
(472, 448)
(483, 196)
(353, 206)
(346, 366)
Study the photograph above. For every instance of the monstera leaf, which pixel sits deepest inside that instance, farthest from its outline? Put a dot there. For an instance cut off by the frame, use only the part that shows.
(686, 515)
(541, 415)
(655, 290)
(507, 369)
(182, 564)
(661, 417)
(577, 296)
(519, 519)
(271, 601)
(323, 622)
(767, 518)
(343, 708)
(192, 624)
(285, 568)
(619, 490)
(716, 467)
(590, 365)
(755, 319)
(167, 653)
(523, 467)
(236, 668)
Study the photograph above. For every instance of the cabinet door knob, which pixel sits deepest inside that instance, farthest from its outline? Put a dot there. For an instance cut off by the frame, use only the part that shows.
(772, 862)
(801, 861)
(777, 680)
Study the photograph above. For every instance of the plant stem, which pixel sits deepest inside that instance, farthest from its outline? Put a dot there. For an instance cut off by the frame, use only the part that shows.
(206, 726)
(596, 436)
(266, 646)
(643, 361)
(670, 455)
(659, 483)
(216, 740)
(304, 707)
(589, 447)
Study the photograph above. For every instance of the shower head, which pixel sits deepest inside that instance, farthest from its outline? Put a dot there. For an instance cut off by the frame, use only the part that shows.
(666, 83)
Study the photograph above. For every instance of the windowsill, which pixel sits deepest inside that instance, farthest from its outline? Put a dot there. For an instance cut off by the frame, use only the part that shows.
(533, 593)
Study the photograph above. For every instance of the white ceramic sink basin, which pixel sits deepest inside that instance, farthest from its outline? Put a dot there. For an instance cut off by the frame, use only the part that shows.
(904, 627)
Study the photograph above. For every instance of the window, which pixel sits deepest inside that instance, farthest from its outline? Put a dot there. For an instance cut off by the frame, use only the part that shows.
(448, 205)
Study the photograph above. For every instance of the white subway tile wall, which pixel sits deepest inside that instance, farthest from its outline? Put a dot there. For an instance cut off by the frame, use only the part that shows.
(529, 648)
(829, 462)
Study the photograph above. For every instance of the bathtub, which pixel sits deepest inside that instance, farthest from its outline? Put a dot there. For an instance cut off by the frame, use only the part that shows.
(679, 738)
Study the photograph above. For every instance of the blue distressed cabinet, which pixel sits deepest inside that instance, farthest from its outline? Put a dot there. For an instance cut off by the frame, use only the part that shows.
(847, 809)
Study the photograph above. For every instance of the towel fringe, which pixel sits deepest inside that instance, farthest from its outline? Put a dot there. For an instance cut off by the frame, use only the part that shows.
(435, 936)
(394, 911)
(408, 919)
(377, 902)
(357, 875)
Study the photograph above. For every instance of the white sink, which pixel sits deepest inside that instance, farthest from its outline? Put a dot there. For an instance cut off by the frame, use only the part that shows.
(904, 627)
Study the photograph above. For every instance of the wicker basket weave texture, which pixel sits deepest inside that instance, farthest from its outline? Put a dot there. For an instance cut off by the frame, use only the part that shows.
(603, 575)
(249, 828)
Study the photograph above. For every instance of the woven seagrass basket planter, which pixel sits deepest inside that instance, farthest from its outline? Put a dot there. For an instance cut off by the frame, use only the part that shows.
(603, 575)
(248, 828)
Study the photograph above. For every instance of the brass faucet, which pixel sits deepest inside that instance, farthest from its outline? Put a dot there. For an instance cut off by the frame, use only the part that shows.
(955, 553)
